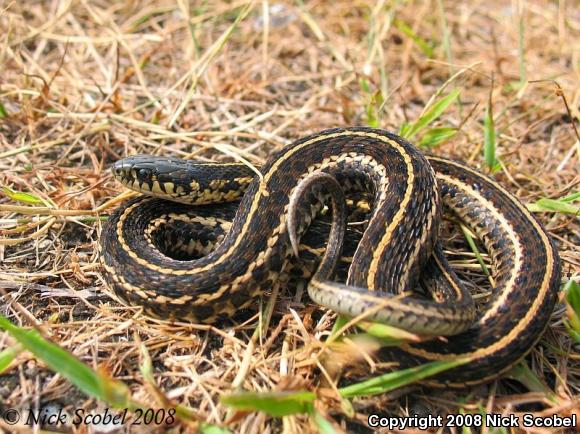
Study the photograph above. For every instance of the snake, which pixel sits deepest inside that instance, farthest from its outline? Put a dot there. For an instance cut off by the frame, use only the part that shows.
(249, 227)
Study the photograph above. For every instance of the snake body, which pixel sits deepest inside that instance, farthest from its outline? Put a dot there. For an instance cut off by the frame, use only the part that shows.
(253, 253)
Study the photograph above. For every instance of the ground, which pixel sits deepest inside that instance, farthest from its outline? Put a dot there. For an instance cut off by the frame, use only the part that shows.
(86, 83)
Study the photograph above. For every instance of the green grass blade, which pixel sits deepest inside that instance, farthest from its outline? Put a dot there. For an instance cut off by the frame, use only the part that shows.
(562, 206)
(571, 197)
(8, 355)
(572, 289)
(464, 429)
(146, 367)
(423, 45)
(522, 373)
(206, 428)
(3, 112)
(489, 142)
(324, 426)
(373, 104)
(21, 196)
(393, 380)
(405, 128)
(364, 85)
(67, 365)
(474, 249)
(340, 322)
(432, 114)
(275, 404)
(369, 339)
(575, 335)
(491, 430)
(386, 332)
(436, 136)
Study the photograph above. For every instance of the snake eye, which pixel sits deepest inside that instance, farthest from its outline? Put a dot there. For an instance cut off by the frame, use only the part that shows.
(144, 175)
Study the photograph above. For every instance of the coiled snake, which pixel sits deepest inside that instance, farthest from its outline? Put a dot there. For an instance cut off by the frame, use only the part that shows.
(244, 257)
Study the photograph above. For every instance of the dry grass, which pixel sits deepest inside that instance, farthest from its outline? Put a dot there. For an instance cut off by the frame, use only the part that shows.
(84, 83)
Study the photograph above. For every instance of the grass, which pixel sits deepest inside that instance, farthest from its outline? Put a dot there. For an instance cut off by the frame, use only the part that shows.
(572, 291)
(489, 141)
(85, 83)
(425, 46)
(61, 361)
(100, 386)
(430, 114)
(564, 205)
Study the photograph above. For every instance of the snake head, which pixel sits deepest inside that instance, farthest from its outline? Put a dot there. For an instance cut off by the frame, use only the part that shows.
(155, 176)
(136, 170)
(186, 181)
